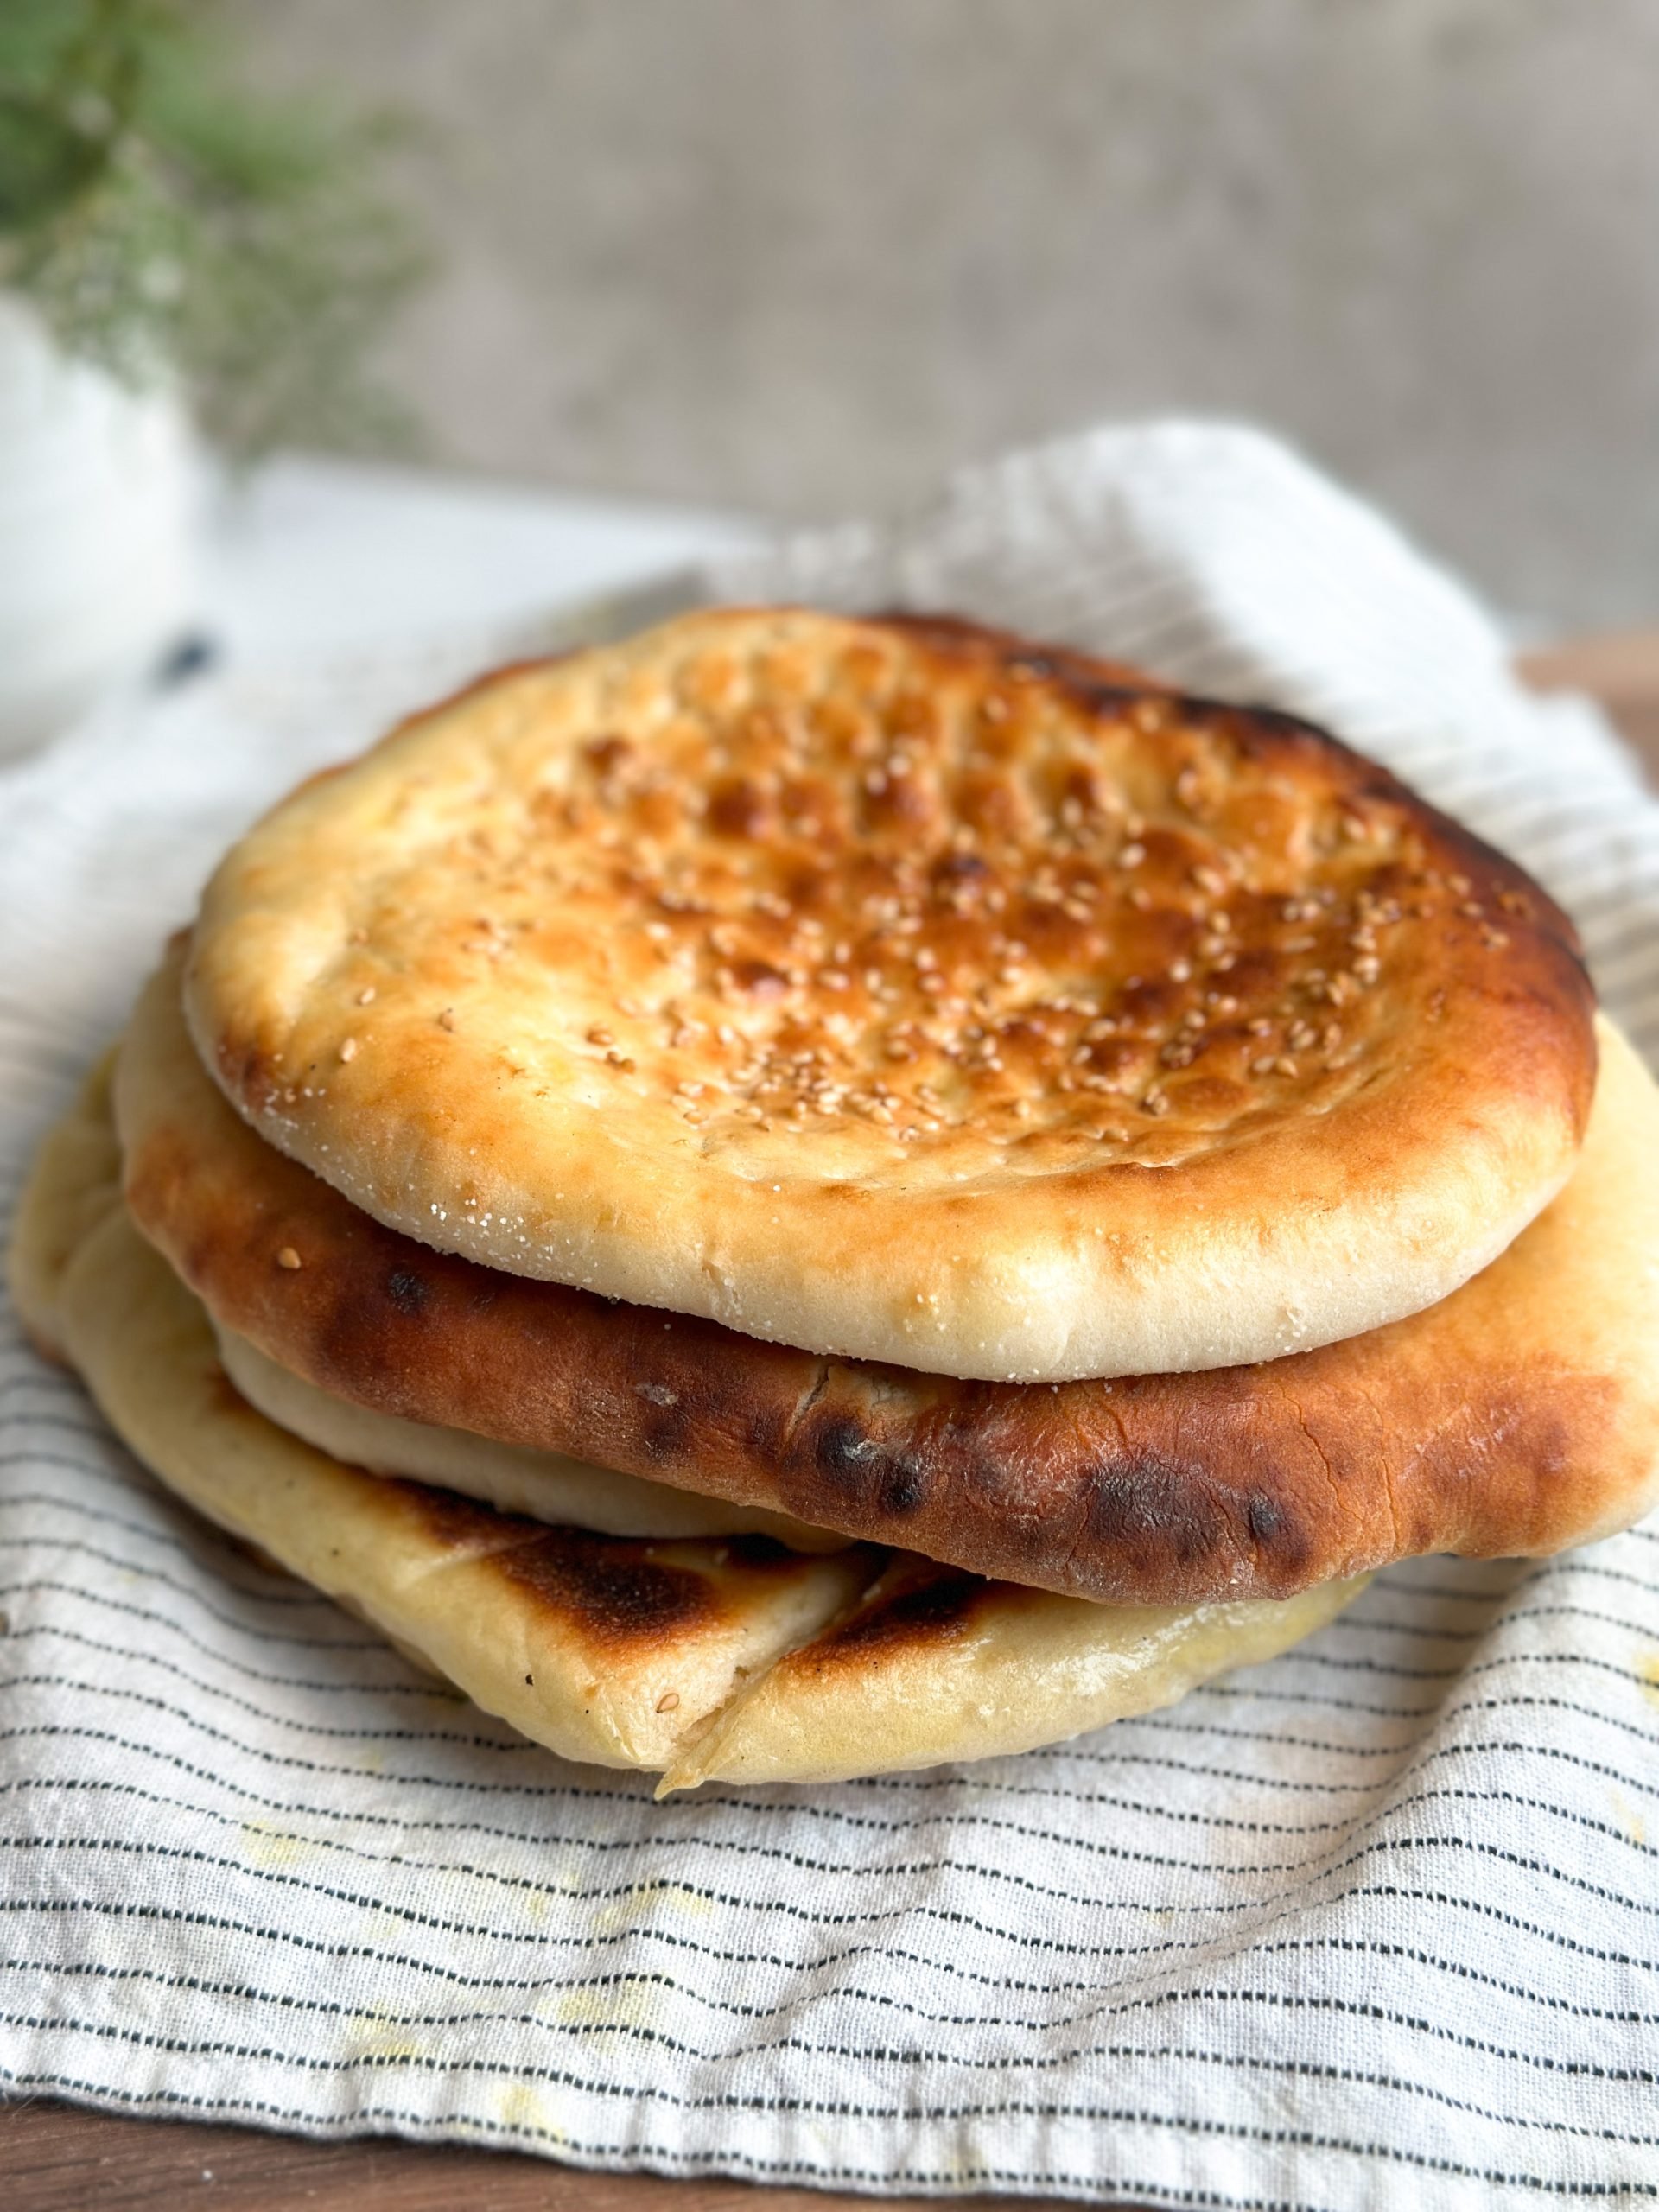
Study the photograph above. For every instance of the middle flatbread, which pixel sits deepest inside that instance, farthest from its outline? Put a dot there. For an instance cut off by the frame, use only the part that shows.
(514, 1477)
(1518, 1416)
(732, 1660)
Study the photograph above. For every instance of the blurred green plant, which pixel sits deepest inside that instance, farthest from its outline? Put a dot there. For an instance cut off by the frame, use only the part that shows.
(170, 225)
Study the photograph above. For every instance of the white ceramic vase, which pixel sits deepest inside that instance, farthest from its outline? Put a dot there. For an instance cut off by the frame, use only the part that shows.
(99, 503)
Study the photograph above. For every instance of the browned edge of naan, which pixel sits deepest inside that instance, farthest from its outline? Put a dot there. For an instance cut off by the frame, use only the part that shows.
(1518, 1416)
(707, 1658)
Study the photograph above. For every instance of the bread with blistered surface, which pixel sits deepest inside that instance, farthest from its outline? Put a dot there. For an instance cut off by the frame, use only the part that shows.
(617, 1652)
(1521, 1415)
(900, 990)
(515, 1477)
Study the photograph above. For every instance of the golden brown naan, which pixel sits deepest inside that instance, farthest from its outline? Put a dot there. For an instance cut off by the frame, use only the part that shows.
(906, 991)
(1519, 1415)
(516, 1478)
(712, 1660)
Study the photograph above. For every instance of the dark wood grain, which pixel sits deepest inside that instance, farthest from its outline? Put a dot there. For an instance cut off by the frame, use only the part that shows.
(54, 2157)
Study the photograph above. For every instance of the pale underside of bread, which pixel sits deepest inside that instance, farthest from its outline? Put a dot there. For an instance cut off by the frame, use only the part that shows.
(903, 991)
(1519, 1415)
(699, 1659)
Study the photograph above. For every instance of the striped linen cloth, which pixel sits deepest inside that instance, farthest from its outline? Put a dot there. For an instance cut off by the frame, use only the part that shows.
(1377, 1924)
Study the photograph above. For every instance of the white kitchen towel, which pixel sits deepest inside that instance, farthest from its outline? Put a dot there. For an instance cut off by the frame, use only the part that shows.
(1376, 1925)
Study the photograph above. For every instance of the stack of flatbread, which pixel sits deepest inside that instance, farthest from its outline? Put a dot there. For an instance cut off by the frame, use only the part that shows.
(802, 1197)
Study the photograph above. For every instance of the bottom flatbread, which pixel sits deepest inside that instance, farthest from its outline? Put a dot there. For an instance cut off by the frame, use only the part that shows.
(706, 1659)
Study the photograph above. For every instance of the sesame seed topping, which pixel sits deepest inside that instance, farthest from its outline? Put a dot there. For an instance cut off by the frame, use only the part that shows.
(921, 916)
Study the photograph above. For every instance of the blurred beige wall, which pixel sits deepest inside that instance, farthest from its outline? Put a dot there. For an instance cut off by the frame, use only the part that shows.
(802, 255)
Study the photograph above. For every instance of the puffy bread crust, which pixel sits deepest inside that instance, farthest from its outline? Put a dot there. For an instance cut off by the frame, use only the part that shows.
(616, 1651)
(546, 1486)
(898, 989)
(987, 1666)
(1520, 1415)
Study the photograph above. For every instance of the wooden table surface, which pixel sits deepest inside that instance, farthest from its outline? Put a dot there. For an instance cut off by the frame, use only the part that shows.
(55, 2158)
